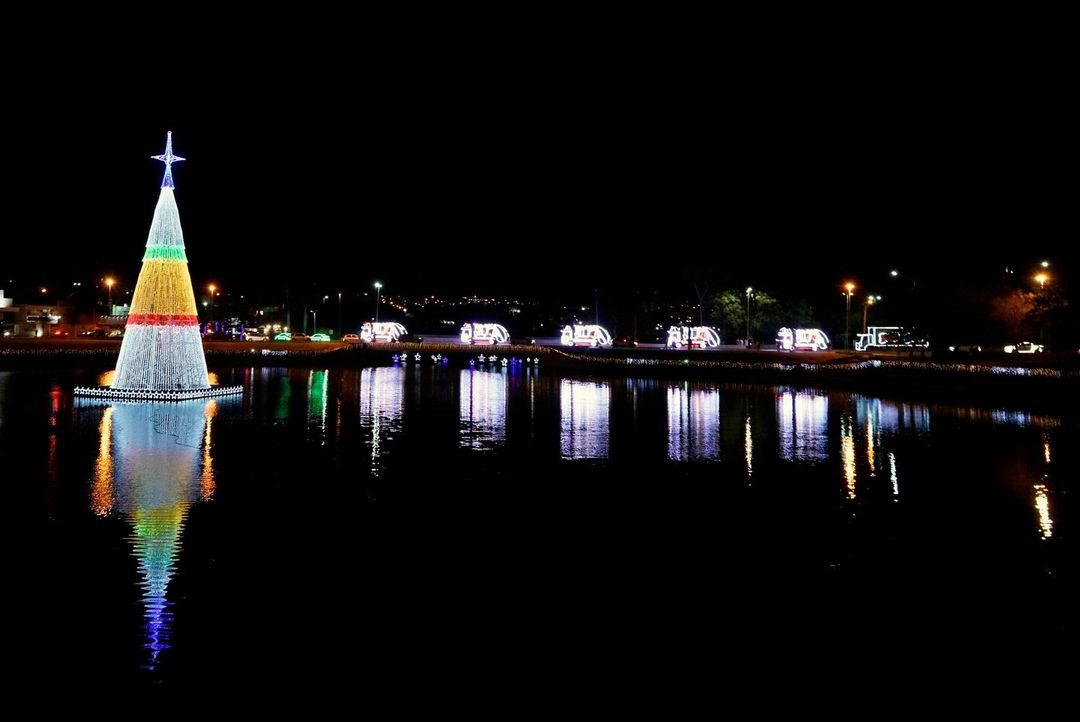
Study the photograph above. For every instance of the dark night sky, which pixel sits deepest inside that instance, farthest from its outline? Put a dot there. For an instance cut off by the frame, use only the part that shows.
(528, 162)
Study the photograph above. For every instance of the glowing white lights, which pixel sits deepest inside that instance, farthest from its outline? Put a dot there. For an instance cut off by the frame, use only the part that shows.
(585, 335)
(692, 336)
(161, 358)
(1024, 347)
(886, 337)
(382, 331)
(168, 159)
(801, 339)
(484, 333)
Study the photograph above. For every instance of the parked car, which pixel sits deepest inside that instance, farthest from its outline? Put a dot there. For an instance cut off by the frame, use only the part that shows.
(320, 337)
(625, 342)
(1024, 347)
(255, 336)
(351, 338)
(301, 337)
(283, 336)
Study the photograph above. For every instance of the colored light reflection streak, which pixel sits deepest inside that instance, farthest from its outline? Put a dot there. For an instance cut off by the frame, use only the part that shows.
(207, 485)
(584, 407)
(154, 461)
(284, 399)
(693, 423)
(483, 408)
(847, 452)
(748, 448)
(802, 422)
(893, 477)
(317, 398)
(101, 500)
(382, 401)
(1042, 508)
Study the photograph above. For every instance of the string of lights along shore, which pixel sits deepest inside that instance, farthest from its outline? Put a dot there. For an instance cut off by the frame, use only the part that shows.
(162, 354)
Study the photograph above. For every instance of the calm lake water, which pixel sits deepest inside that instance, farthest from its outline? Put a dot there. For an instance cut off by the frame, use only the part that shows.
(330, 524)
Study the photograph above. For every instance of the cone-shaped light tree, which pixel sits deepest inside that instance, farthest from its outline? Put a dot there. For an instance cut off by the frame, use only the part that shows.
(162, 351)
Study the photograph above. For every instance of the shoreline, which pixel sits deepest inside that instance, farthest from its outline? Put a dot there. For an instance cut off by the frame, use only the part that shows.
(987, 380)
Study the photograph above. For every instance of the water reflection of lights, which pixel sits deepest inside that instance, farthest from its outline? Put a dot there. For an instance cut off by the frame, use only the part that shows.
(1042, 508)
(802, 422)
(207, 485)
(584, 408)
(748, 448)
(893, 477)
(154, 461)
(101, 483)
(693, 423)
(382, 402)
(482, 408)
(871, 438)
(1046, 447)
(847, 452)
(317, 397)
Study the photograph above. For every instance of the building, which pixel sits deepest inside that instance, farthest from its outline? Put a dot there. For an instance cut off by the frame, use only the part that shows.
(33, 321)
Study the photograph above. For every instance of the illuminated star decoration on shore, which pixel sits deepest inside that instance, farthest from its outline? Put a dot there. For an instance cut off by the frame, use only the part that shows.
(168, 159)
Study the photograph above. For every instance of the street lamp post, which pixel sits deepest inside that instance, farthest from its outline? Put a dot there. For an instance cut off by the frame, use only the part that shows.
(212, 288)
(339, 314)
(870, 300)
(109, 284)
(748, 291)
(314, 321)
(378, 291)
(847, 316)
(1042, 278)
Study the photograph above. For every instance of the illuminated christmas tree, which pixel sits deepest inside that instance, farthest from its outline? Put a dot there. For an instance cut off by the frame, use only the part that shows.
(162, 355)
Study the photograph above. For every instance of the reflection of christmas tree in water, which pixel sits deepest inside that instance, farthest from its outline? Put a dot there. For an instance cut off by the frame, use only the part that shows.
(162, 355)
(154, 461)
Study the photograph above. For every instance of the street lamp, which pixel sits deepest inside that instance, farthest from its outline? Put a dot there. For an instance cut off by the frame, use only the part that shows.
(847, 316)
(870, 300)
(897, 274)
(314, 321)
(109, 282)
(1042, 278)
(748, 291)
(378, 290)
(212, 288)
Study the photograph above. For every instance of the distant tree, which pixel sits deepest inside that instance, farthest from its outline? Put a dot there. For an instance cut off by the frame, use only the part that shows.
(765, 312)
(1012, 310)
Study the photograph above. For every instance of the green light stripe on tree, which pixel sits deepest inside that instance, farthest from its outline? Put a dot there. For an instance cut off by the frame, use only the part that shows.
(165, 253)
